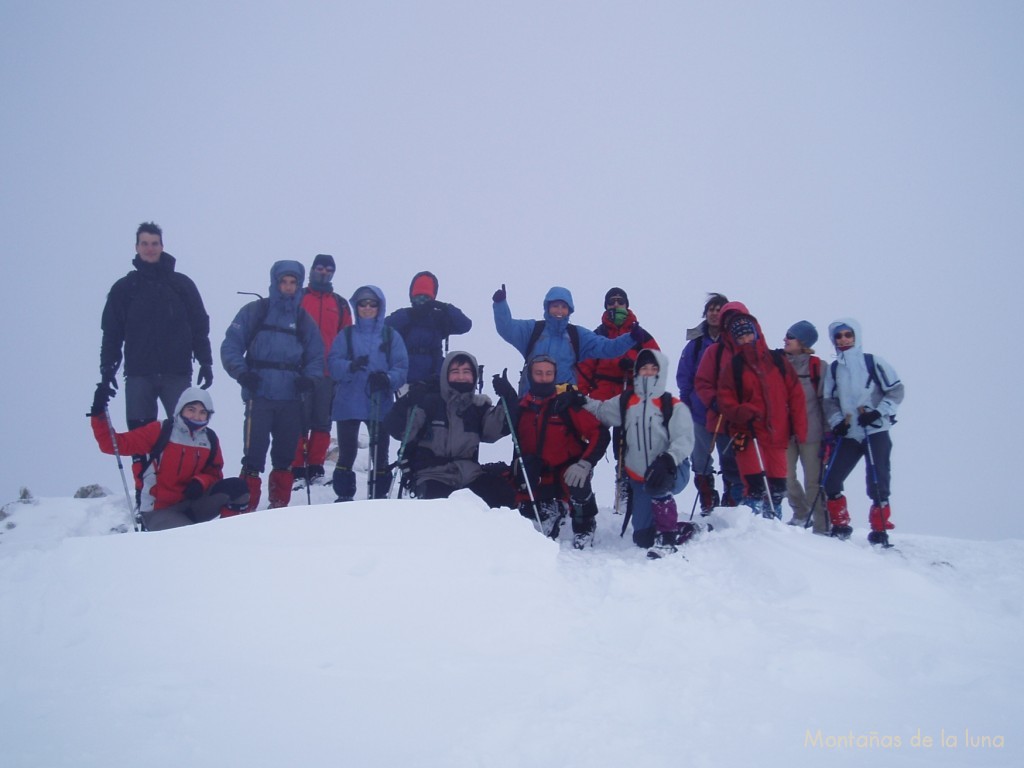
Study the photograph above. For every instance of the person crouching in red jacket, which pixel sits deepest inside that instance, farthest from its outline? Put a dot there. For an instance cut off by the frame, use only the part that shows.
(760, 396)
(183, 480)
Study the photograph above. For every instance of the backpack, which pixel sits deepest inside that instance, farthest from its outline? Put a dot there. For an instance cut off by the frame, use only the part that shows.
(665, 401)
(873, 377)
(263, 309)
(538, 329)
(778, 357)
(165, 437)
(387, 333)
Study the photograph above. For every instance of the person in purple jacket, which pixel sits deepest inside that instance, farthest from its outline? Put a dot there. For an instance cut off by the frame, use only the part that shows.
(701, 459)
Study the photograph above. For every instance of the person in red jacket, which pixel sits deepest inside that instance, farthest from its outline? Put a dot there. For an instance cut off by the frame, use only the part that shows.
(331, 314)
(560, 443)
(183, 477)
(760, 396)
(607, 378)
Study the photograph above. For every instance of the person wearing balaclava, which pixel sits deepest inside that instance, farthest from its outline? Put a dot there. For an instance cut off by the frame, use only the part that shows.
(560, 443)
(273, 349)
(331, 314)
(606, 378)
(425, 326)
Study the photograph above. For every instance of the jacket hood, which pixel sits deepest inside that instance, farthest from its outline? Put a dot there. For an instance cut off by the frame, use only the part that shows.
(446, 389)
(732, 306)
(730, 343)
(651, 386)
(558, 293)
(368, 292)
(194, 395)
(282, 268)
(836, 324)
(421, 281)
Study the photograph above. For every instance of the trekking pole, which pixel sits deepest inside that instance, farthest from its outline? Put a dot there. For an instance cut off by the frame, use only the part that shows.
(522, 464)
(120, 467)
(764, 473)
(707, 464)
(401, 453)
(826, 471)
(874, 481)
(372, 463)
(620, 464)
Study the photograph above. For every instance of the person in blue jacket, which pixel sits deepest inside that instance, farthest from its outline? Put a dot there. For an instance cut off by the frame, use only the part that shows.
(425, 327)
(562, 341)
(274, 350)
(368, 363)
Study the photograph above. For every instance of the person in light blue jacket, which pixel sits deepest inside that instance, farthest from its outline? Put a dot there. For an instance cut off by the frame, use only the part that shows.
(860, 395)
(556, 337)
(368, 362)
(274, 350)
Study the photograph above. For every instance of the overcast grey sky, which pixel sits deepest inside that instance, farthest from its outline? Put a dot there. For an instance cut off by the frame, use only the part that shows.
(813, 159)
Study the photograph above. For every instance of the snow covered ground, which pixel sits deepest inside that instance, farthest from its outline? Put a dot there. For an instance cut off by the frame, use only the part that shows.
(412, 633)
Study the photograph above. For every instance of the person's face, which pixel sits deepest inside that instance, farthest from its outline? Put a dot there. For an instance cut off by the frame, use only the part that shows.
(543, 373)
(614, 302)
(558, 309)
(844, 340)
(368, 308)
(323, 273)
(648, 369)
(714, 316)
(746, 338)
(460, 373)
(288, 285)
(149, 247)
(792, 345)
(195, 412)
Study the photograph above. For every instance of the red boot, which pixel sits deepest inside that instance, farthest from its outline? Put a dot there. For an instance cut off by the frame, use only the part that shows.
(839, 516)
(255, 485)
(280, 485)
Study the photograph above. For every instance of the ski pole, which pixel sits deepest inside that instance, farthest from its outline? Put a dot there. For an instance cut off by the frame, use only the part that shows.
(372, 463)
(120, 467)
(401, 453)
(620, 464)
(827, 470)
(522, 464)
(764, 473)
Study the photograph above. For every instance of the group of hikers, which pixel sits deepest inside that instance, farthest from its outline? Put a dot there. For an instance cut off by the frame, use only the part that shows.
(305, 358)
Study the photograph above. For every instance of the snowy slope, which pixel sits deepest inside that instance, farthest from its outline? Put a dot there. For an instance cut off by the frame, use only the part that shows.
(408, 633)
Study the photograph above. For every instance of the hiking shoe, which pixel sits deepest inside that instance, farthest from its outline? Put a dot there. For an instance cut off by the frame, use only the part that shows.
(879, 537)
(842, 532)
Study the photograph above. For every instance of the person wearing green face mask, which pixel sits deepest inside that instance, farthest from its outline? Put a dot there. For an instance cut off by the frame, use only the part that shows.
(606, 379)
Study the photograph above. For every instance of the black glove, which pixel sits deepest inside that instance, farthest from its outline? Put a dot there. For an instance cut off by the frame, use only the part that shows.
(205, 377)
(499, 295)
(304, 385)
(359, 363)
(627, 364)
(379, 381)
(249, 380)
(842, 429)
(193, 490)
(571, 398)
(869, 417)
(660, 475)
(108, 375)
(100, 399)
(503, 387)
(638, 334)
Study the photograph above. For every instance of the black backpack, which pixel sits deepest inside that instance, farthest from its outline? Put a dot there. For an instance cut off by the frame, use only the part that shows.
(665, 401)
(778, 357)
(263, 310)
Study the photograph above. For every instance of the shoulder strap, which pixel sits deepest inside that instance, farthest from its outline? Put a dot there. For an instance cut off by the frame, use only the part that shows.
(387, 333)
(342, 307)
(574, 339)
(737, 374)
(814, 368)
(869, 360)
(666, 408)
(161, 441)
(538, 329)
(780, 361)
(833, 367)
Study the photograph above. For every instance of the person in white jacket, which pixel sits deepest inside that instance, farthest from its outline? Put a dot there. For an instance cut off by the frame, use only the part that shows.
(659, 438)
(861, 393)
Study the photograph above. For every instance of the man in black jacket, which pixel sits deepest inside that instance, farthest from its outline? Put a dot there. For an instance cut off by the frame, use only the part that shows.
(159, 318)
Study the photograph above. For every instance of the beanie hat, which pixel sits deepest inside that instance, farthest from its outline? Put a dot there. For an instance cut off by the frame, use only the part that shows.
(803, 332)
(741, 326)
(646, 357)
(615, 292)
(324, 259)
(423, 284)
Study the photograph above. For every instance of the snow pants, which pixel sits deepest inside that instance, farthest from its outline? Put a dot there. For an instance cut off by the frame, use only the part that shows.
(643, 512)
(802, 495)
(849, 452)
(273, 424)
(230, 490)
(348, 448)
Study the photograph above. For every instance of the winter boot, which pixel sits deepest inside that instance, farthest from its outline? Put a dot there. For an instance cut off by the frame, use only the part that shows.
(755, 495)
(879, 519)
(344, 483)
(706, 493)
(315, 474)
(839, 516)
(776, 492)
(583, 532)
(381, 484)
(280, 484)
(551, 515)
(298, 477)
(237, 492)
(255, 485)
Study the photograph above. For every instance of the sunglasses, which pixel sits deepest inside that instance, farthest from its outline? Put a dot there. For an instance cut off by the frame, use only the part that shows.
(616, 301)
(844, 335)
(322, 268)
(368, 303)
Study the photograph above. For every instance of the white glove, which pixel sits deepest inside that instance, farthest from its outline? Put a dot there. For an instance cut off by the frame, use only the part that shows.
(577, 475)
